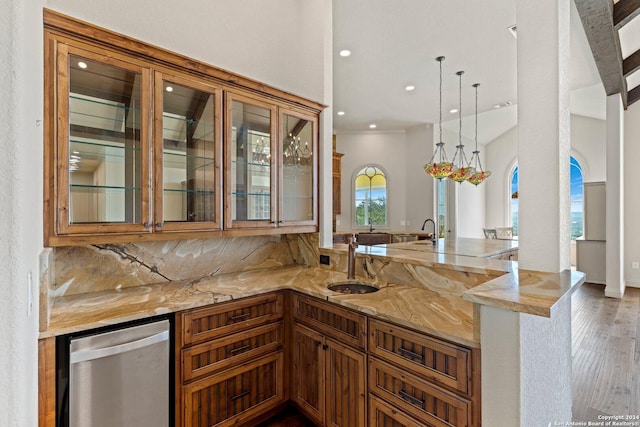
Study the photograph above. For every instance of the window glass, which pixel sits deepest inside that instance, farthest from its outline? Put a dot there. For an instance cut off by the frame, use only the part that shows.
(577, 199)
(370, 196)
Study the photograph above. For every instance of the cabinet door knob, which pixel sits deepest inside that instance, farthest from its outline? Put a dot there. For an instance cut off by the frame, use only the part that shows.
(146, 224)
(159, 224)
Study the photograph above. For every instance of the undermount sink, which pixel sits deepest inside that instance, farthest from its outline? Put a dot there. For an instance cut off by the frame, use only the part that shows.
(352, 287)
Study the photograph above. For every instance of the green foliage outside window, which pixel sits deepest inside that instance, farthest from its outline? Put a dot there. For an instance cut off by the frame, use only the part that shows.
(377, 212)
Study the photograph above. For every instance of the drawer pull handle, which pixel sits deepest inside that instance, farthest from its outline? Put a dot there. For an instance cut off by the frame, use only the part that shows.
(238, 396)
(404, 352)
(240, 349)
(239, 317)
(414, 400)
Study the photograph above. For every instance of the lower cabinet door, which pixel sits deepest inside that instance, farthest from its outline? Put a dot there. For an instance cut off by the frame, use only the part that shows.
(308, 381)
(234, 396)
(382, 414)
(346, 386)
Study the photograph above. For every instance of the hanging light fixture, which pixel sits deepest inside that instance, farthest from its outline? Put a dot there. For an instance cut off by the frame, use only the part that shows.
(462, 169)
(480, 175)
(439, 167)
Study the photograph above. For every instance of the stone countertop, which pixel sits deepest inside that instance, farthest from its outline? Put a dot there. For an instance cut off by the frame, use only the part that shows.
(445, 316)
(511, 288)
(482, 248)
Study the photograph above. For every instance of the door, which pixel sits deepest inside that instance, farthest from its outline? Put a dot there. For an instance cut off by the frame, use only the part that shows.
(187, 154)
(102, 145)
(345, 385)
(250, 163)
(308, 383)
(120, 378)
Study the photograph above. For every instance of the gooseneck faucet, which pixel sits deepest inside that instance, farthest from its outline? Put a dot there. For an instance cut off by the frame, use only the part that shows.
(434, 238)
(351, 266)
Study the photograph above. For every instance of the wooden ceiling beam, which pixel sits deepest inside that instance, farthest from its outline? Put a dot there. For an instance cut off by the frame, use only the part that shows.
(597, 21)
(624, 11)
(633, 95)
(631, 64)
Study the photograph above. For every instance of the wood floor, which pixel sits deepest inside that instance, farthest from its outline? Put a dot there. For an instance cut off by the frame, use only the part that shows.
(606, 356)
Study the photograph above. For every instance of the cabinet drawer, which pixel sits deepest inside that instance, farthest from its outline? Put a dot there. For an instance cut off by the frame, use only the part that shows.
(205, 358)
(337, 322)
(234, 396)
(435, 406)
(442, 362)
(382, 414)
(223, 319)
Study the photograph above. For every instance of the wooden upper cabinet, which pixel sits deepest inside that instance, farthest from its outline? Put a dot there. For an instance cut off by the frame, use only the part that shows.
(144, 144)
(298, 167)
(99, 153)
(187, 154)
(250, 162)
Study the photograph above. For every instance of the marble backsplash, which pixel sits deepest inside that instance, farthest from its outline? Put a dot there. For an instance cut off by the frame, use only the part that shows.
(95, 268)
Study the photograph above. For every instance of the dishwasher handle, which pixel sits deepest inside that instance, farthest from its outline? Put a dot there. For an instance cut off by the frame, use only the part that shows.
(83, 356)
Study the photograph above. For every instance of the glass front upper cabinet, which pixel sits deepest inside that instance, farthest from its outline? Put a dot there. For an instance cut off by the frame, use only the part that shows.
(187, 154)
(250, 163)
(102, 148)
(298, 170)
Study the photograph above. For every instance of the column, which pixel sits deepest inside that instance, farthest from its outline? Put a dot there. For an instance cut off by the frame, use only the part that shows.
(615, 198)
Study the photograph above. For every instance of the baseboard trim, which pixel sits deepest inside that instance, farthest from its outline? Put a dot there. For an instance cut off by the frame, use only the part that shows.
(613, 293)
(633, 284)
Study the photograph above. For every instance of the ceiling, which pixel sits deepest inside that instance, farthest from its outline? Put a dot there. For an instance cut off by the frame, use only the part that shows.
(395, 43)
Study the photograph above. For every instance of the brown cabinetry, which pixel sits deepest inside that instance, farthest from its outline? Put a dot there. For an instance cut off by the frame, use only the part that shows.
(135, 138)
(230, 361)
(329, 362)
(337, 182)
(423, 379)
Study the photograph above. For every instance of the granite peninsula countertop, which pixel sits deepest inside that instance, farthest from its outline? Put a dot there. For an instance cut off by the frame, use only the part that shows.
(482, 248)
(443, 315)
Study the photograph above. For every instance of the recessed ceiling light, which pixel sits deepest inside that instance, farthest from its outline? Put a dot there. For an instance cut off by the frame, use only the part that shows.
(409, 88)
(453, 110)
(504, 104)
(169, 89)
(82, 65)
(341, 113)
(345, 52)
(372, 126)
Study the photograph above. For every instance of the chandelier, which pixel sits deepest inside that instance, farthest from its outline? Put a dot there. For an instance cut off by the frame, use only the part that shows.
(480, 175)
(462, 170)
(439, 167)
(295, 152)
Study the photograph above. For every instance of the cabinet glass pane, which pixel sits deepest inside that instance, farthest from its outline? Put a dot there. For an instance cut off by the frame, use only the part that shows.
(250, 163)
(297, 169)
(188, 153)
(104, 143)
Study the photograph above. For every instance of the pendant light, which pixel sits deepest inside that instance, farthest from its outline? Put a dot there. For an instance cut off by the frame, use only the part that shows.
(480, 175)
(462, 170)
(439, 167)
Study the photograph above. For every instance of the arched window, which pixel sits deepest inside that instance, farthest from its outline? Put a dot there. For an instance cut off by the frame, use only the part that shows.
(370, 196)
(577, 199)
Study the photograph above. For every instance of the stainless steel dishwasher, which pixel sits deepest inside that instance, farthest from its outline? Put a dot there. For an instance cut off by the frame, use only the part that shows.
(120, 377)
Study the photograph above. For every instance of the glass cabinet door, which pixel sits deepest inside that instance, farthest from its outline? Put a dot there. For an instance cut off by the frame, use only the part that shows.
(187, 134)
(102, 149)
(250, 179)
(298, 168)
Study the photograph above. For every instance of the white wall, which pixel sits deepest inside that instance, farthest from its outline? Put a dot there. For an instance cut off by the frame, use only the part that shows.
(420, 186)
(631, 193)
(588, 146)
(385, 149)
(21, 207)
(243, 37)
